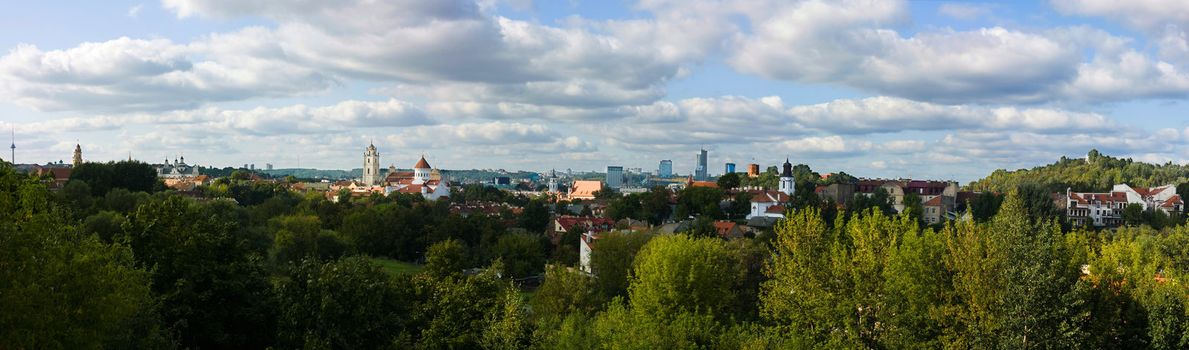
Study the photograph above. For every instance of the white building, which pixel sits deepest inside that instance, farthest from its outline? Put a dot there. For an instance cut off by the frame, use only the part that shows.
(424, 180)
(769, 204)
(177, 170)
(1106, 209)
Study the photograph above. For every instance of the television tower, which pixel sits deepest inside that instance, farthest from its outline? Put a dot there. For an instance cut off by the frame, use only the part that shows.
(13, 147)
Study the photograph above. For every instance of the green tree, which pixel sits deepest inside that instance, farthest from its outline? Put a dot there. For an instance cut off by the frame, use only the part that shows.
(535, 217)
(984, 206)
(1133, 214)
(202, 258)
(728, 181)
(913, 207)
(522, 253)
(612, 261)
(565, 291)
(677, 274)
(344, 304)
(445, 258)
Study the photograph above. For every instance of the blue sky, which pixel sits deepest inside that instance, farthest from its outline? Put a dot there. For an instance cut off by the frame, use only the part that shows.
(926, 89)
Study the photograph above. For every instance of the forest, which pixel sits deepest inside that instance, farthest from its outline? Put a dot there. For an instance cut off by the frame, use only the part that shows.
(1095, 173)
(121, 263)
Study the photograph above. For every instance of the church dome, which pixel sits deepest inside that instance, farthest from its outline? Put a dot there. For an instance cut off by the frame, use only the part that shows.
(422, 164)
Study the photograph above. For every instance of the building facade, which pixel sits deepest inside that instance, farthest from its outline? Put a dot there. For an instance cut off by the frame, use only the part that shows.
(728, 168)
(665, 170)
(753, 170)
(1106, 209)
(614, 176)
(700, 171)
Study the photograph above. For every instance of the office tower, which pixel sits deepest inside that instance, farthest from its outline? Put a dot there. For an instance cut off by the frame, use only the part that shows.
(730, 168)
(666, 169)
(700, 171)
(614, 177)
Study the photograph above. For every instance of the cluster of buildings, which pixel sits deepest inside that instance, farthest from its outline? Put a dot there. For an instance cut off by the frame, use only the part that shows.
(1106, 209)
(423, 180)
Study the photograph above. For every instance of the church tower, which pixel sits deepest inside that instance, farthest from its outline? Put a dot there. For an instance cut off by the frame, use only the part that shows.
(787, 182)
(421, 171)
(371, 166)
(78, 155)
(552, 181)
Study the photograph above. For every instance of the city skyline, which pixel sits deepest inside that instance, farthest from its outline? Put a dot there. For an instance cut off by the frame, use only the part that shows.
(946, 90)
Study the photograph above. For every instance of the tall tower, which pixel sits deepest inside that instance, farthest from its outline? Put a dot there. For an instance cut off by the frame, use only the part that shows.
(13, 147)
(78, 155)
(552, 181)
(371, 166)
(787, 182)
(421, 171)
(700, 172)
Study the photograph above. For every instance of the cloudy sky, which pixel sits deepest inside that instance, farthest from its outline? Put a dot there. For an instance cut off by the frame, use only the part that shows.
(925, 89)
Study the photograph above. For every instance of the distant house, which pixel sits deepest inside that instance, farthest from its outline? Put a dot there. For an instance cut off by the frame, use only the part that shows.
(1106, 209)
(768, 204)
(58, 176)
(728, 229)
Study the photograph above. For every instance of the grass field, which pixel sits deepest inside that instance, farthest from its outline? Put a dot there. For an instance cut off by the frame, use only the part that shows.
(396, 267)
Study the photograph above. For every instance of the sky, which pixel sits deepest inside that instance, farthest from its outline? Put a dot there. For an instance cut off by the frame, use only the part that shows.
(923, 89)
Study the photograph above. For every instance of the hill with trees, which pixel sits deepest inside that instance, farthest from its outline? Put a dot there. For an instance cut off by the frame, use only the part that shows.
(1095, 173)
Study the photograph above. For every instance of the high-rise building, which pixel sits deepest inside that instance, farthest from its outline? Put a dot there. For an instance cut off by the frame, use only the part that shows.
(753, 170)
(267, 166)
(666, 169)
(614, 176)
(371, 166)
(730, 168)
(700, 171)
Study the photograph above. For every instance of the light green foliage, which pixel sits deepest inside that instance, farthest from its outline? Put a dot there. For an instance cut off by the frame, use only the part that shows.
(565, 291)
(677, 274)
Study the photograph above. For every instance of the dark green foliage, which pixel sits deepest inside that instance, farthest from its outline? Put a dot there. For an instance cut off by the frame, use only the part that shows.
(106, 225)
(880, 200)
(984, 206)
(913, 207)
(133, 176)
(201, 259)
(696, 201)
(612, 261)
(301, 237)
(63, 289)
(523, 254)
(728, 181)
(344, 304)
(535, 217)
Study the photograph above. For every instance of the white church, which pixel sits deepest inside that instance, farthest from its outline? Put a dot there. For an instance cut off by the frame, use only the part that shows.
(771, 204)
(423, 180)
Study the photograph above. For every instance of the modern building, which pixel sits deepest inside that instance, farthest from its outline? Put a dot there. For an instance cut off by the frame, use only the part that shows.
(614, 177)
(371, 166)
(753, 170)
(666, 169)
(267, 166)
(729, 168)
(700, 171)
(1106, 209)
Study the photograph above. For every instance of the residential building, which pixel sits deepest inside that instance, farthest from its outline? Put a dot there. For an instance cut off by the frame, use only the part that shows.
(700, 171)
(927, 190)
(728, 229)
(839, 193)
(1106, 209)
(666, 169)
(729, 168)
(614, 177)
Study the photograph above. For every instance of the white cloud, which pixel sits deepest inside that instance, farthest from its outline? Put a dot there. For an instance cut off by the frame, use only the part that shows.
(964, 11)
(1150, 15)
(134, 11)
(828, 145)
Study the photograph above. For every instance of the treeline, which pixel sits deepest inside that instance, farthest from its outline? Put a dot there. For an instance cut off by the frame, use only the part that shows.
(1095, 173)
(163, 271)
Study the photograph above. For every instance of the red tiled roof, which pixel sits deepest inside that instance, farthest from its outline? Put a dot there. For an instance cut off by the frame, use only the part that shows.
(935, 202)
(598, 224)
(770, 197)
(421, 164)
(775, 209)
(1172, 201)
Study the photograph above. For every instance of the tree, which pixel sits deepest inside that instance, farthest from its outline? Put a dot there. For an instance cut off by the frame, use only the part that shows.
(445, 258)
(728, 181)
(565, 291)
(1133, 214)
(703, 226)
(133, 176)
(913, 208)
(655, 205)
(695, 201)
(984, 206)
(522, 253)
(202, 258)
(535, 217)
(612, 261)
(297, 237)
(344, 304)
(679, 274)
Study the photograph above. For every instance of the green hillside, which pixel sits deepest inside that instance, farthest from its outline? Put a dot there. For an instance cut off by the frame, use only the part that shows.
(1096, 172)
